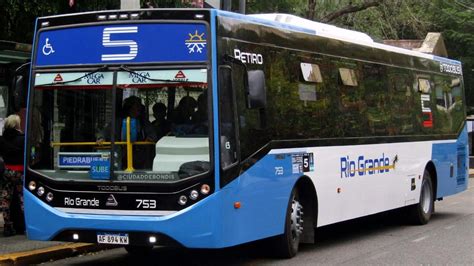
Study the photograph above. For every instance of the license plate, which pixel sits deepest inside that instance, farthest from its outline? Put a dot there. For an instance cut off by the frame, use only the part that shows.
(112, 238)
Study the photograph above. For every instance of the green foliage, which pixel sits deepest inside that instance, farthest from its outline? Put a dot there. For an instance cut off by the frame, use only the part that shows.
(295, 7)
(17, 17)
(455, 20)
(394, 19)
(164, 3)
(398, 19)
(413, 19)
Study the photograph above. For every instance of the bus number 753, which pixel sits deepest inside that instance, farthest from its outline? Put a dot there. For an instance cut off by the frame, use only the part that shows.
(146, 204)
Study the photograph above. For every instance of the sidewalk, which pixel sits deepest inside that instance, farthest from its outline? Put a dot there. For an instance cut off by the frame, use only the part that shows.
(17, 249)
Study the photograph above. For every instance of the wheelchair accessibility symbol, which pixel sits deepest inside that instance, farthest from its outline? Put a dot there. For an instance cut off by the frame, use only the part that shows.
(47, 48)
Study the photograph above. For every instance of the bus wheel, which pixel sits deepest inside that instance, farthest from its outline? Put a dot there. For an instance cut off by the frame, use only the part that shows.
(138, 250)
(421, 213)
(287, 244)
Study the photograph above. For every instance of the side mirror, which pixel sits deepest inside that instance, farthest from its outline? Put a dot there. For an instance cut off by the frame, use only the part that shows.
(20, 86)
(18, 93)
(256, 91)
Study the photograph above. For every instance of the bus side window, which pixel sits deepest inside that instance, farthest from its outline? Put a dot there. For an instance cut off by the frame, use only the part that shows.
(228, 140)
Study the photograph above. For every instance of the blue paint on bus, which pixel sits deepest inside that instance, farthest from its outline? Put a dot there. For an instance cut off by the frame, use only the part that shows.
(124, 43)
(215, 105)
(450, 160)
(210, 223)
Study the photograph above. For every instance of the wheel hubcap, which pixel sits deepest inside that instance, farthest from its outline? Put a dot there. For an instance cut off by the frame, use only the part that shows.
(426, 197)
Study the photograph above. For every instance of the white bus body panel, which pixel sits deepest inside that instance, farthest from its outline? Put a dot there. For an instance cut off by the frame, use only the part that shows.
(343, 197)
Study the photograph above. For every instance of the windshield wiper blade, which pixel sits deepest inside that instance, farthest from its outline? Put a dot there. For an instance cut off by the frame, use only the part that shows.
(102, 68)
(126, 69)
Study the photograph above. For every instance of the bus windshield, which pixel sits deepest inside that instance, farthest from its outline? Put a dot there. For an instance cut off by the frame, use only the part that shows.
(128, 125)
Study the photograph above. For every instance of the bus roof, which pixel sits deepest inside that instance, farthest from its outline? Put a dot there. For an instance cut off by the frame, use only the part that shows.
(294, 23)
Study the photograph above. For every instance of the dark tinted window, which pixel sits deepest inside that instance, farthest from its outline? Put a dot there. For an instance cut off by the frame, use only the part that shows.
(228, 139)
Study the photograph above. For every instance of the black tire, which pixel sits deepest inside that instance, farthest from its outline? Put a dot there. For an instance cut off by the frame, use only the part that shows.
(287, 244)
(138, 250)
(421, 213)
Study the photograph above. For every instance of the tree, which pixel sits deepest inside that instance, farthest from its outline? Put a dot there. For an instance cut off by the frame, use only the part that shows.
(295, 7)
(17, 17)
(394, 19)
(382, 19)
(455, 20)
(350, 8)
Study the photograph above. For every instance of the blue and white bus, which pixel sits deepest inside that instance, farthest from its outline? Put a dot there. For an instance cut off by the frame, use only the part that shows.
(267, 126)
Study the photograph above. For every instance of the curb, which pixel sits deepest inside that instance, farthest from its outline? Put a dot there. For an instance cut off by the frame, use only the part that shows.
(46, 254)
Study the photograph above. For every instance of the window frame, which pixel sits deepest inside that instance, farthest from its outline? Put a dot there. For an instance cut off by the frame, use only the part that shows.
(234, 118)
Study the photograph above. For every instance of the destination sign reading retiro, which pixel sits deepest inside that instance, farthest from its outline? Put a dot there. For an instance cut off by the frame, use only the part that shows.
(122, 43)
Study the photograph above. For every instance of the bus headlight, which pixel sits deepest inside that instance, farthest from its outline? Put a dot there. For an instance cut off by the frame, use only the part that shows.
(49, 196)
(32, 185)
(194, 194)
(40, 191)
(182, 200)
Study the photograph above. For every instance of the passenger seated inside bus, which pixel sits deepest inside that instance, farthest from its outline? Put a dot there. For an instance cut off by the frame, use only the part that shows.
(191, 117)
(181, 121)
(140, 130)
(200, 117)
(161, 124)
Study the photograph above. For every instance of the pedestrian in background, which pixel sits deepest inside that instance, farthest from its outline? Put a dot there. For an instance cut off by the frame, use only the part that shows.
(11, 198)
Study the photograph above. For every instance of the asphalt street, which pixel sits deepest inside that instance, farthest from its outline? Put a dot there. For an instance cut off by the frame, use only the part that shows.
(379, 239)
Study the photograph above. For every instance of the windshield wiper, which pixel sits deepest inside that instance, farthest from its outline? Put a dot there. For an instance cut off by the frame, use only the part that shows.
(126, 69)
(102, 68)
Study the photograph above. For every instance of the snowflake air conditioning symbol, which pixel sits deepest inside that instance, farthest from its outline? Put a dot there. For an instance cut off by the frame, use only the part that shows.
(195, 43)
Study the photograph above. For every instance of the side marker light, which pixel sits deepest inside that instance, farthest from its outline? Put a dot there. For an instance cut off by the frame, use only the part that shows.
(40, 191)
(205, 189)
(49, 196)
(182, 200)
(194, 195)
(32, 185)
